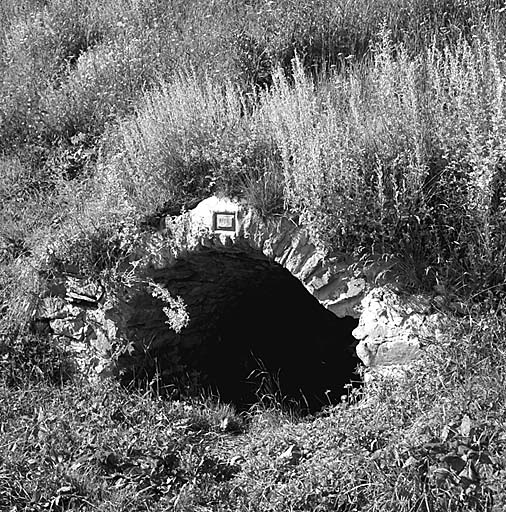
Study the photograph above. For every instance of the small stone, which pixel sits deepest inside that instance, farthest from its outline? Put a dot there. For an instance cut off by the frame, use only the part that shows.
(466, 426)
(230, 425)
(394, 325)
(237, 460)
(410, 462)
(441, 475)
(51, 308)
(291, 455)
(454, 462)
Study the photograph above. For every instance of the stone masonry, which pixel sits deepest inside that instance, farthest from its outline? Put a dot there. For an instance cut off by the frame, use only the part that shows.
(390, 331)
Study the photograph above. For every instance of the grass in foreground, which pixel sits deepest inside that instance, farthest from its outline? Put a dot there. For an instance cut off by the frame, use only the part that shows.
(433, 441)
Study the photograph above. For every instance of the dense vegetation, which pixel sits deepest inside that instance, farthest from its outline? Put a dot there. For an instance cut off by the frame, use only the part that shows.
(379, 124)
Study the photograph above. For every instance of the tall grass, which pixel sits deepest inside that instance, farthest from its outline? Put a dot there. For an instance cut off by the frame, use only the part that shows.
(402, 155)
(188, 138)
(42, 43)
(398, 155)
(381, 123)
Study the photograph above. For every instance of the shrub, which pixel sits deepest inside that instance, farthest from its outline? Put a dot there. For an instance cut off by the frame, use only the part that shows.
(102, 86)
(401, 156)
(186, 140)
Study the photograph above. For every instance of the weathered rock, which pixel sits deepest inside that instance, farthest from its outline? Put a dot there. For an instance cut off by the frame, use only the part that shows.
(50, 308)
(391, 327)
(85, 292)
(292, 455)
(312, 265)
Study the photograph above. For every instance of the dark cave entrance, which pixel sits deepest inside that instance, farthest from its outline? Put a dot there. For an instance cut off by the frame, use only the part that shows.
(254, 332)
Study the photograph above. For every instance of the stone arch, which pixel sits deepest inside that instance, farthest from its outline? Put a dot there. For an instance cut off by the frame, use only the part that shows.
(128, 317)
(220, 233)
(333, 281)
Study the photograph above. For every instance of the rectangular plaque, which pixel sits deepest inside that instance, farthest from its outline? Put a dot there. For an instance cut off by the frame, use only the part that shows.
(224, 221)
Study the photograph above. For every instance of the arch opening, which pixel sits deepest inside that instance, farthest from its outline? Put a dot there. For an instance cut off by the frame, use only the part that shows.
(254, 332)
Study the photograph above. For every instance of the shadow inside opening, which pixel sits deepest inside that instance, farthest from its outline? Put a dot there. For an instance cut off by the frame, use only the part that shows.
(255, 334)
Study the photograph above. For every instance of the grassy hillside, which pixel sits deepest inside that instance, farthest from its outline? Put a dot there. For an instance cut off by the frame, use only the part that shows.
(381, 124)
